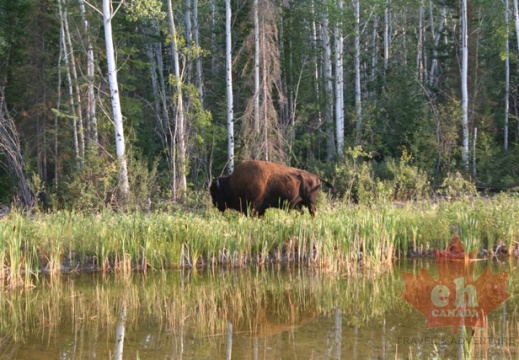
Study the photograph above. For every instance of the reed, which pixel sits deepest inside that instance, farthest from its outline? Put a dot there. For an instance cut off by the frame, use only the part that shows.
(341, 239)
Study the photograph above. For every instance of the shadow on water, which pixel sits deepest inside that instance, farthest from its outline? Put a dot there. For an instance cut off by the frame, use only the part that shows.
(256, 313)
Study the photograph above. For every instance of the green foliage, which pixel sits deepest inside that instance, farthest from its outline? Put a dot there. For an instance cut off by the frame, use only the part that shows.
(355, 179)
(407, 181)
(455, 186)
(92, 185)
(367, 181)
(144, 10)
(144, 188)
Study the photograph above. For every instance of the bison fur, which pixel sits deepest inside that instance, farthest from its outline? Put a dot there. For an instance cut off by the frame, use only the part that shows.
(258, 185)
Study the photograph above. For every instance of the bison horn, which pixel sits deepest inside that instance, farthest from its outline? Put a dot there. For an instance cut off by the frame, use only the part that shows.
(217, 182)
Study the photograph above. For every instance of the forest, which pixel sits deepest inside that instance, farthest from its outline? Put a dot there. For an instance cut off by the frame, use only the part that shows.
(143, 102)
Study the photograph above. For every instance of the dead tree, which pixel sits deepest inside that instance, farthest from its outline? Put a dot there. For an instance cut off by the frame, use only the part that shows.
(10, 147)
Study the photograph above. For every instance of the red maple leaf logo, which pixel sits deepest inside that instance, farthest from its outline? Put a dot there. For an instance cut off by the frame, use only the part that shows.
(455, 299)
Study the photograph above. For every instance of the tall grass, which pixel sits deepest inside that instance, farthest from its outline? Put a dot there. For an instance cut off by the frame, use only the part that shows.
(341, 238)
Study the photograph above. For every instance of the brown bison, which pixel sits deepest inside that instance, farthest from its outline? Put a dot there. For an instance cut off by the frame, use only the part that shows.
(258, 185)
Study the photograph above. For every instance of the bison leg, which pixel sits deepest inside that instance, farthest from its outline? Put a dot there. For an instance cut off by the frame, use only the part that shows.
(312, 209)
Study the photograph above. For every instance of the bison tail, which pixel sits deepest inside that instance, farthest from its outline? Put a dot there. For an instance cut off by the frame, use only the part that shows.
(333, 190)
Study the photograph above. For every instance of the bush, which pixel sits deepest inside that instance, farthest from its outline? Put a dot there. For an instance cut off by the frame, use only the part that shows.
(455, 186)
(407, 181)
(93, 185)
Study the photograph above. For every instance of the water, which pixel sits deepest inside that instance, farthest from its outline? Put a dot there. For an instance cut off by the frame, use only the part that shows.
(258, 313)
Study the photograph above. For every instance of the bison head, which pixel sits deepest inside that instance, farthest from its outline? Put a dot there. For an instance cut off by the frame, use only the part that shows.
(220, 190)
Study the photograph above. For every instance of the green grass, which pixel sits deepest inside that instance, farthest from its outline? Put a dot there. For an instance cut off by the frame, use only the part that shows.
(341, 238)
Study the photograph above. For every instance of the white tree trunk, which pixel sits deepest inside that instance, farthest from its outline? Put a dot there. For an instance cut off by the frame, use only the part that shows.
(516, 18)
(419, 50)
(358, 96)
(339, 83)
(374, 57)
(256, 69)
(116, 103)
(64, 45)
(198, 59)
(75, 81)
(387, 36)
(464, 83)
(228, 73)
(214, 49)
(437, 35)
(317, 87)
(507, 76)
(327, 64)
(91, 118)
(179, 132)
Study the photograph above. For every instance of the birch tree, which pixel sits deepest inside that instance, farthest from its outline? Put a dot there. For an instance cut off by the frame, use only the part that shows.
(198, 55)
(328, 86)
(75, 83)
(516, 20)
(120, 143)
(70, 88)
(179, 135)
(433, 79)
(228, 79)
(256, 68)
(507, 75)
(387, 35)
(464, 83)
(91, 118)
(339, 83)
(358, 90)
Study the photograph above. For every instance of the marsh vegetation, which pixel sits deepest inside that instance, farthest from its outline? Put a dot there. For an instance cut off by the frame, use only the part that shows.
(342, 239)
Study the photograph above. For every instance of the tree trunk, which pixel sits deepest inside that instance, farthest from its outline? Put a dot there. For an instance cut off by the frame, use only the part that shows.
(419, 49)
(228, 73)
(64, 45)
(75, 81)
(464, 83)
(120, 144)
(339, 83)
(91, 117)
(433, 80)
(10, 146)
(178, 133)
(507, 76)
(198, 59)
(516, 18)
(374, 58)
(256, 70)
(358, 90)
(328, 110)
(387, 36)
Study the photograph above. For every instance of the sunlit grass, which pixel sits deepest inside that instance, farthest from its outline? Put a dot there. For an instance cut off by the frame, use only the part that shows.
(340, 239)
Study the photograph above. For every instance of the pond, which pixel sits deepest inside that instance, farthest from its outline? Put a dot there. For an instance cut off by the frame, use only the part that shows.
(250, 313)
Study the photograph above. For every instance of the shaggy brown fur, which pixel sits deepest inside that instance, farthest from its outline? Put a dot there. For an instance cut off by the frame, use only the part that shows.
(258, 185)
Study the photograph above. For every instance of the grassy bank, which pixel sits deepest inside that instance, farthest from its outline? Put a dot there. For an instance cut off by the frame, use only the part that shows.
(340, 238)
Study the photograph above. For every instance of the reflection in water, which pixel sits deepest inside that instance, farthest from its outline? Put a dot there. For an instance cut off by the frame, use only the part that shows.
(119, 333)
(252, 313)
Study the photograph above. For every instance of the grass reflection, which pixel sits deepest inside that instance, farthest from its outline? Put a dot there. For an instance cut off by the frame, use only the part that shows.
(174, 313)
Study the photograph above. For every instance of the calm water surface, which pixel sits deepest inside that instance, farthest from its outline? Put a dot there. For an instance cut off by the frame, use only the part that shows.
(258, 313)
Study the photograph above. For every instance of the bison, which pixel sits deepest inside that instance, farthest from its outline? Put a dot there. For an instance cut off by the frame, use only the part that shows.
(258, 185)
